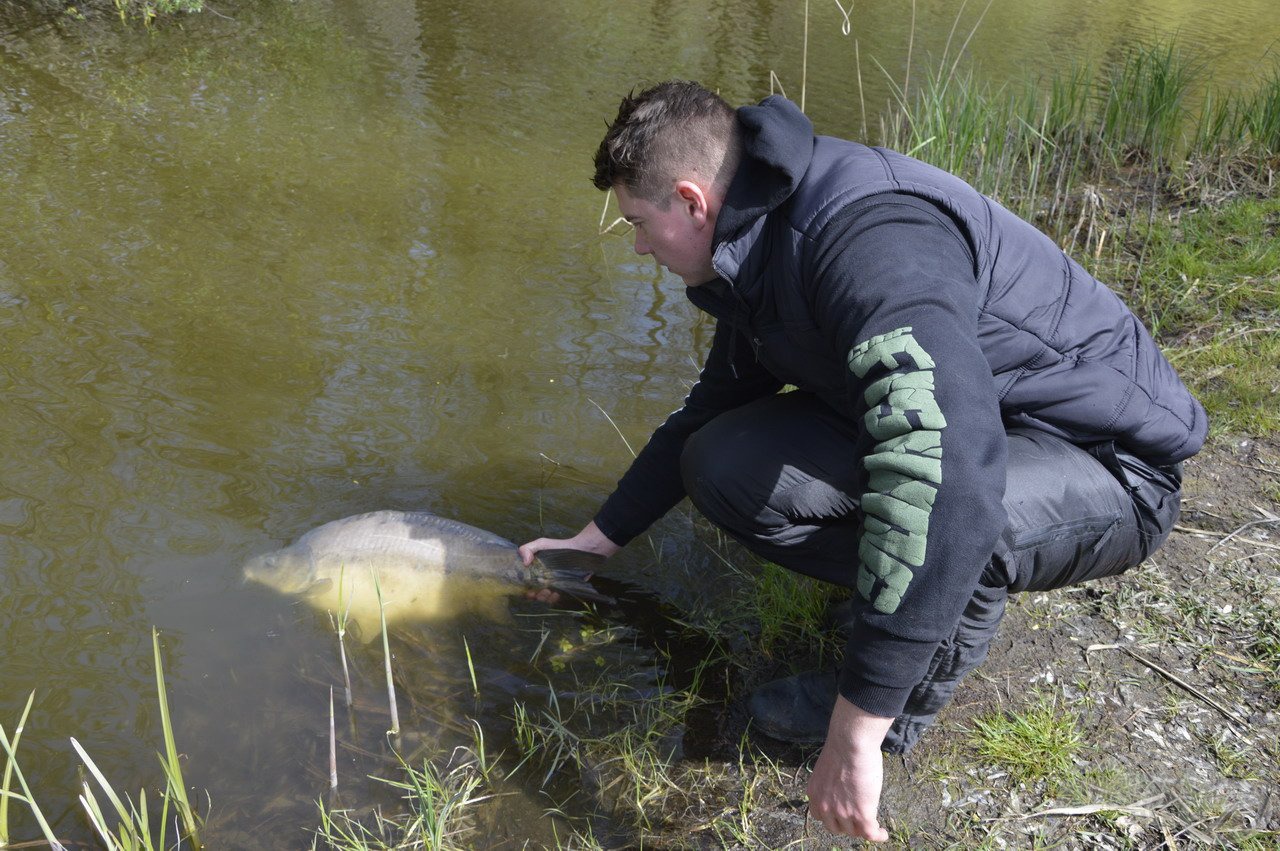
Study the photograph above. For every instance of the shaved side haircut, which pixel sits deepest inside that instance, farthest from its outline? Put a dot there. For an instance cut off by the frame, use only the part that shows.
(675, 130)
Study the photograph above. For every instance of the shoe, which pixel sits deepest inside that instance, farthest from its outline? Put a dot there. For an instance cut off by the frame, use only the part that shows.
(840, 615)
(795, 709)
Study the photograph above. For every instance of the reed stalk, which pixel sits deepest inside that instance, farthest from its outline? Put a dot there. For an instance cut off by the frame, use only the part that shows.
(9, 764)
(386, 656)
(471, 668)
(333, 747)
(171, 763)
(10, 749)
(340, 626)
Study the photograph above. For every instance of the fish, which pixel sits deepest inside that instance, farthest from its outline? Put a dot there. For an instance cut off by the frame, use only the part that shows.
(428, 568)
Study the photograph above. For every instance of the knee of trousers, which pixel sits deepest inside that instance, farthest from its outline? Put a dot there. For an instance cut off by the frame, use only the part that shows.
(1157, 497)
(722, 487)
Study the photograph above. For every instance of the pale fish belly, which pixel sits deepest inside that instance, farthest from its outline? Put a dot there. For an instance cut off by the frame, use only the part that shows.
(412, 591)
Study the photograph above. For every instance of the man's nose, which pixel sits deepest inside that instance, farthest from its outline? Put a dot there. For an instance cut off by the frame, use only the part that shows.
(642, 247)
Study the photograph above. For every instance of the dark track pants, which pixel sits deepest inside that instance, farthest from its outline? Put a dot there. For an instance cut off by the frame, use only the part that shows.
(780, 476)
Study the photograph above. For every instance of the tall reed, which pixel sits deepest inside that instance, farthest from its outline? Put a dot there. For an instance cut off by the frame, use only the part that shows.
(12, 769)
(1032, 146)
(177, 787)
(386, 656)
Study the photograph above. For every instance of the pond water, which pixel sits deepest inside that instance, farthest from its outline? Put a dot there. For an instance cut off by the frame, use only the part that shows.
(281, 262)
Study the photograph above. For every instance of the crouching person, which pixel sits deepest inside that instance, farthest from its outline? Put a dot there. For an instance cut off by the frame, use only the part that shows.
(974, 414)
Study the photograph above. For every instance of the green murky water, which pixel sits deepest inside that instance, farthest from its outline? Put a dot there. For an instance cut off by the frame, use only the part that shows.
(285, 262)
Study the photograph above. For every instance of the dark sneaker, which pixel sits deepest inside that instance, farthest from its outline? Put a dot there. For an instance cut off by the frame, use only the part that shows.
(795, 709)
(839, 616)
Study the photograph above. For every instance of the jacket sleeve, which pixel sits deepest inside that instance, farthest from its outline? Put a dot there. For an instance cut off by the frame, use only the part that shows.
(895, 293)
(652, 485)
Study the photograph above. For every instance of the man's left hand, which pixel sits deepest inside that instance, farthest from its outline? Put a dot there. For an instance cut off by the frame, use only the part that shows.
(844, 789)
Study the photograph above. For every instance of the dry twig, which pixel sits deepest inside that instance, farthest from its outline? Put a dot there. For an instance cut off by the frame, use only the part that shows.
(1173, 678)
(1140, 809)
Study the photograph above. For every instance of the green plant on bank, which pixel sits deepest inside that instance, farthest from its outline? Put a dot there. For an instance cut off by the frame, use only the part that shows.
(632, 765)
(791, 610)
(1208, 286)
(148, 10)
(736, 826)
(1039, 742)
(1033, 146)
(1144, 104)
(1265, 648)
(133, 831)
(1206, 281)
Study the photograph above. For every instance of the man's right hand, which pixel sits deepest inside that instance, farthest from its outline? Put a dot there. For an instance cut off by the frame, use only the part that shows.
(590, 540)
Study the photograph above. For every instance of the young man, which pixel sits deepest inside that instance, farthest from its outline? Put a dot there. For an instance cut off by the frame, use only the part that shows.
(975, 414)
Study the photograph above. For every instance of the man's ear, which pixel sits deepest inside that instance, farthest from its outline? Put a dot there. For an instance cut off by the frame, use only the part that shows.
(695, 201)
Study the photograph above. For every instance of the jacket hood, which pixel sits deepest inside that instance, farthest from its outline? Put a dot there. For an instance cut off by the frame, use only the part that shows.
(777, 145)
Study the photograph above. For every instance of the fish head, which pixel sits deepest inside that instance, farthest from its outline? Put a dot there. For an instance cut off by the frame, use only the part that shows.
(284, 570)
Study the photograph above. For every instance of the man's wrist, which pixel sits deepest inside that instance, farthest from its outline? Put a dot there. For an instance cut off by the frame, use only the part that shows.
(597, 541)
(856, 727)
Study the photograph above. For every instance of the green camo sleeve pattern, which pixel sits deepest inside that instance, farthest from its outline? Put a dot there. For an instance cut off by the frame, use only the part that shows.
(905, 466)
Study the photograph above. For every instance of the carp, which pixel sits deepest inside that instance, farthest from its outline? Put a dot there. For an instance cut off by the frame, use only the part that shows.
(428, 568)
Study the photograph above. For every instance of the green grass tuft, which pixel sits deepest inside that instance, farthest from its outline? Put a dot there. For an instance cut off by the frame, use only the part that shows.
(1038, 743)
(1208, 286)
(792, 611)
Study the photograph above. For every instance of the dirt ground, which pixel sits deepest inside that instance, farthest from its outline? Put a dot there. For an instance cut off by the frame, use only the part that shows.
(1169, 674)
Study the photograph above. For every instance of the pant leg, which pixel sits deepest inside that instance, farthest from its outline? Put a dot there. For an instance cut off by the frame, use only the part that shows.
(782, 477)
(1074, 515)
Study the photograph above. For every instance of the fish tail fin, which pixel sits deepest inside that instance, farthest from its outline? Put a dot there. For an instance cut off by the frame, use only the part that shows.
(568, 571)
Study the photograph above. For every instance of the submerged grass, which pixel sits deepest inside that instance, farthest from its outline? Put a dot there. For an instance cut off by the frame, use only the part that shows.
(440, 800)
(148, 11)
(624, 746)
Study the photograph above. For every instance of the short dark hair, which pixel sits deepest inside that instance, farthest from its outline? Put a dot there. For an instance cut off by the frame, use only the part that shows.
(668, 132)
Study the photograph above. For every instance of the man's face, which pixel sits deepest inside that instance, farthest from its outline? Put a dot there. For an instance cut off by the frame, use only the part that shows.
(679, 236)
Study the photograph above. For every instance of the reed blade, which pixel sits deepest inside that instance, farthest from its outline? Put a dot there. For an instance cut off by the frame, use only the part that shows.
(170, 762)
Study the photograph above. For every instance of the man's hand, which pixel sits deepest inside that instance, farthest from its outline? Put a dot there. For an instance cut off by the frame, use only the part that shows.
(590, 540)
(844, 789)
